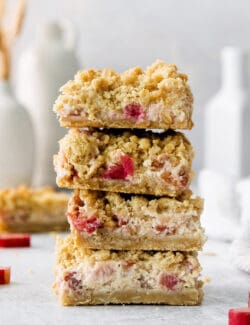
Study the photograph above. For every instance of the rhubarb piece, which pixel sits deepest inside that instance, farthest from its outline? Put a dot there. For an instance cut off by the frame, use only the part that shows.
(134, 111)
(240, 316)
(14, 240)
(73, 283)
(83, 224)
(114, 172)
(108, 220)
(121, 170)
(125, 161)
(4, 275)
(24, 209)
(157, 98)
(169, 281)
(93, 277)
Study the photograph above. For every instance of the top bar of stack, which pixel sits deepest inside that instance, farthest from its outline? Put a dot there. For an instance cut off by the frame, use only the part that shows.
(157, 98)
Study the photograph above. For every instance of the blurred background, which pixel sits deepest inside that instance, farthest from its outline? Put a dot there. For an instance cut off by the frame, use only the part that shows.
(121, 34)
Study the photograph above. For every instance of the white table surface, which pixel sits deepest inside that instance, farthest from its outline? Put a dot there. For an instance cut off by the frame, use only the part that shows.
(30, 299)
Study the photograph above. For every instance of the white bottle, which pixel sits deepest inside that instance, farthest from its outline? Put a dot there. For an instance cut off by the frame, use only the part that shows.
(16, 140)
(227, 119)
(42, 70)
(221, 211)
(240, 248)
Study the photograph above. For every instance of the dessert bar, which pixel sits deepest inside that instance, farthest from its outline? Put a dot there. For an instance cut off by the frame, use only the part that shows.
(23, 209)
(157, 98)
(89, 277)
(107, 220)
(124, 161)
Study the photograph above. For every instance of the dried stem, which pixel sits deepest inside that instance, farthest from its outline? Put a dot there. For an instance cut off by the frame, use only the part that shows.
(4, 58)
(2, 10)
(18, 20)
(7, 37)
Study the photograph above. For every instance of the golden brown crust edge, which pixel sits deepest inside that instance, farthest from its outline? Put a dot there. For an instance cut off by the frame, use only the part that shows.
(34, 227)
(169, 243)
(71, 123)
(188, 297)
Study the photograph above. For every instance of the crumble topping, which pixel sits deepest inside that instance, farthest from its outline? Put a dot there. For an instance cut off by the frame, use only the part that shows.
(159, 94)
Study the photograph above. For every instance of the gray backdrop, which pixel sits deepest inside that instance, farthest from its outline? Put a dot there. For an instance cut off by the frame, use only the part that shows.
(124, 33)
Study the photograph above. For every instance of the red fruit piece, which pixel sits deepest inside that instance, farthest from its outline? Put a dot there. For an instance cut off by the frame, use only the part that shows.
(160, 227)
(121, 170)
(114, 172)
(89, 225)
(4, 275)
(73, 282)
(240, 316)
(126, 264)
(169, 281)
(168, 230)
(133, 111)
(128, 165)
(15, 240)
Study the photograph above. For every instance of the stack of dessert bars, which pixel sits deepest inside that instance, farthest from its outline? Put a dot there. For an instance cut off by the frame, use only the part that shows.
(135, 225)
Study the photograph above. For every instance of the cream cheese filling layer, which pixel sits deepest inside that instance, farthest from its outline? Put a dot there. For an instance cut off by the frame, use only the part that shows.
(154, 112)
(121, 274)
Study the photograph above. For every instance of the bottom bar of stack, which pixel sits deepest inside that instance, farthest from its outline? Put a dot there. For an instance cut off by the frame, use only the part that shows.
(92, 277)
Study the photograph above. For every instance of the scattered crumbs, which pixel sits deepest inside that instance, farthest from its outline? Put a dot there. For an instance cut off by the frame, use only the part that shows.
(206, 279)
(207, 253)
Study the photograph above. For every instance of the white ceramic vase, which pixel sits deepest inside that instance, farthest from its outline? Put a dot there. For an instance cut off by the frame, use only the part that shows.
(221, 211)
(16, 140)
(227, 119)
(240, 248)
(42, 70)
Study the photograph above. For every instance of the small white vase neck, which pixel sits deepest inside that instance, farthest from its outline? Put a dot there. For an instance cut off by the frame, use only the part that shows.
(60, 34)
(49, 34)
(234, 69)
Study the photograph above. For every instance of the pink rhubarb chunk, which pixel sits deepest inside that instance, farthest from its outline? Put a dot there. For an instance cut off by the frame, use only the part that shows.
(121, 170)
(133, 111)
(4, 275)
(169, 281)
(73, 283)
(14, 240)
(240, 316)
(90, 225)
